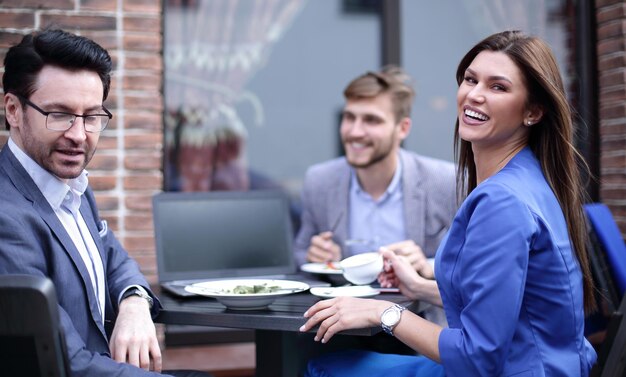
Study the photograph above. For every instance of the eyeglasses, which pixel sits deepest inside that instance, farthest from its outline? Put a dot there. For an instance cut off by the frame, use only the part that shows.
(60, 121)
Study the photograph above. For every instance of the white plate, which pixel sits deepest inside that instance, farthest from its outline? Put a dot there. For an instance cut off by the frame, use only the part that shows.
(322, 268)
(352, 291)
(221, 290)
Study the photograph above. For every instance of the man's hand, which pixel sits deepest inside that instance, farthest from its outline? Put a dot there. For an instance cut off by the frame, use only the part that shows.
(323, 249)
(134, 339)
(414, 255)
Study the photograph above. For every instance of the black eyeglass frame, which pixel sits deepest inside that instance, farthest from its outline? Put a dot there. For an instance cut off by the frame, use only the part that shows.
(84, 116)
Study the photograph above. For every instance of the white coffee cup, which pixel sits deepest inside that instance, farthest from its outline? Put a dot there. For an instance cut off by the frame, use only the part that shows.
(362, 268)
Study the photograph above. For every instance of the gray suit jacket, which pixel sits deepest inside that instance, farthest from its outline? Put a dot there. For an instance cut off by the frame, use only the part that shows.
(33, 241)
(429, 192)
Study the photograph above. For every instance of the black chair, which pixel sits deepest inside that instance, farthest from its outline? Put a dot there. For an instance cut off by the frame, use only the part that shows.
(31, 340)
(612, 356)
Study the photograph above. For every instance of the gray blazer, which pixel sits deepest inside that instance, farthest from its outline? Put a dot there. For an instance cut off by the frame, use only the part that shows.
(429, 192)
(34, 242)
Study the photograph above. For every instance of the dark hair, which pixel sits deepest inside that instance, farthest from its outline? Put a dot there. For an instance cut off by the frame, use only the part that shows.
(551, 139)
(24, 61)
(391, 79)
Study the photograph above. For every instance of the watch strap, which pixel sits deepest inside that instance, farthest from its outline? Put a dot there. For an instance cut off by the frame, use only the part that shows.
(137, 291)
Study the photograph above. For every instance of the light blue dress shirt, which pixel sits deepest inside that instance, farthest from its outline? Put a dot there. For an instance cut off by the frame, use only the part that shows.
(381, 221)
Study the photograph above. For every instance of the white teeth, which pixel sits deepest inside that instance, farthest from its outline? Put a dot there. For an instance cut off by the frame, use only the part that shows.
(357, 145)
(475, 114)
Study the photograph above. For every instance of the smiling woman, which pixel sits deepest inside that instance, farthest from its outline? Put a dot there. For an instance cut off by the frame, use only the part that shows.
(516, 249)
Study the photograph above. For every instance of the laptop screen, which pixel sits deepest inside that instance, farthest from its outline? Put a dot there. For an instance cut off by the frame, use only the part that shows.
(222, 234)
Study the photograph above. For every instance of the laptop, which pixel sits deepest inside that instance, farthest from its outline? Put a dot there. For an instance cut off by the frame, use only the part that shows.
(203, 236)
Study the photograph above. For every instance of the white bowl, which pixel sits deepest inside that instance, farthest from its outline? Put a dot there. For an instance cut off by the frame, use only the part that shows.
(362, 268)
(221, 290)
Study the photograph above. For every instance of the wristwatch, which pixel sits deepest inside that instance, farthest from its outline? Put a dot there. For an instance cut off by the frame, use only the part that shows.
(134, 291)
(391, 317)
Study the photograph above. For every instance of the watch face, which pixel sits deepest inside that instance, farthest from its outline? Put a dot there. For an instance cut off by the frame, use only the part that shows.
(391, 316)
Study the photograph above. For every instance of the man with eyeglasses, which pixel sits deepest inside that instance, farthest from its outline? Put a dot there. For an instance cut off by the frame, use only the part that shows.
(55, 84)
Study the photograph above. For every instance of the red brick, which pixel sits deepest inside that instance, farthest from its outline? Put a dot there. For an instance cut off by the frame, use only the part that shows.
(143, 24)
(105, 5)
(143, 161)
(38, 4)
(147, 261)
(106, 141)
(610, 13)
(614, 131)
(143, 121)
(611, 29)
(107, 202)
(101, 161)
(102, 182)
(14, 20)
(139, 221)
(610, 46)
(139, 202)
(612, 94)
(609, 161)
(140, 82)
(79, 22)
(143, 6)
(144, 182)
(614, 179)
(148, 101)
(612, 78)
(617, 110)
(604, 3)
(142, 42)
(613, 144)
(144, 141)
(618, 194)
(612, 61)
(139, 242)
(142, 61)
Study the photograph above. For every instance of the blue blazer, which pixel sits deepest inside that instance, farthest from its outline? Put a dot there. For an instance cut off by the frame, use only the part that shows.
(429, 197)
(33, 241)
(510, 284)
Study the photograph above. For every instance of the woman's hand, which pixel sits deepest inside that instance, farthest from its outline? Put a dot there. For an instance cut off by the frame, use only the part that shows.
(343, 313)
(414, 255)
(398, 272)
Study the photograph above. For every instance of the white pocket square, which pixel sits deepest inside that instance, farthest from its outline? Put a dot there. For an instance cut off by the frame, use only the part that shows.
(104, 228)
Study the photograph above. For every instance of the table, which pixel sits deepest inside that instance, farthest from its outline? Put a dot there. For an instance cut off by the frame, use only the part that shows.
(276, 328)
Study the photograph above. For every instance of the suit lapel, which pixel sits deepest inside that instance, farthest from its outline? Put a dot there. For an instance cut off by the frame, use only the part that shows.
(414, 199)
(29, 189)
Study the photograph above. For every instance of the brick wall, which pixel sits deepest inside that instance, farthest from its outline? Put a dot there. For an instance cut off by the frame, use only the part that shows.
(126, 170)
(611, 33)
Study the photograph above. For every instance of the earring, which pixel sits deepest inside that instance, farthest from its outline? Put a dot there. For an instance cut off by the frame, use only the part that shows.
(530, 123)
